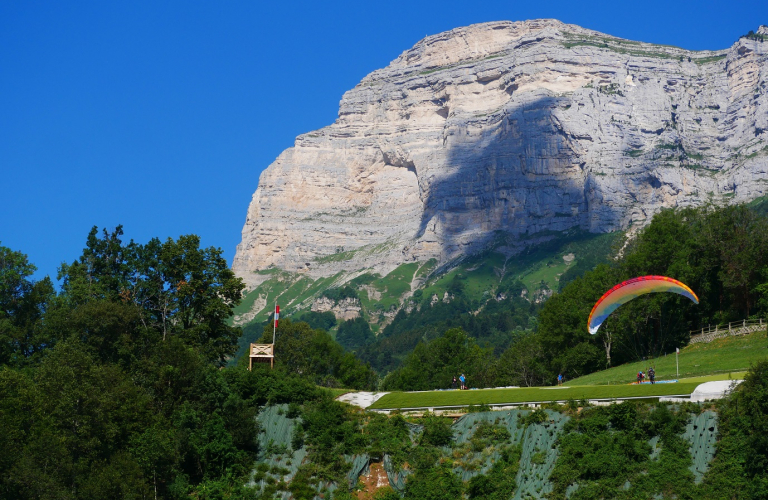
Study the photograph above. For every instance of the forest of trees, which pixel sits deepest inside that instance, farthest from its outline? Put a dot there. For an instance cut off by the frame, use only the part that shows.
(115, 386)
(718, 252)
(124, 383)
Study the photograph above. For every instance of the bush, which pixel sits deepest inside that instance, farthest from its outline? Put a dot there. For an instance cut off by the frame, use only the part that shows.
(437, 431)
(337, 294)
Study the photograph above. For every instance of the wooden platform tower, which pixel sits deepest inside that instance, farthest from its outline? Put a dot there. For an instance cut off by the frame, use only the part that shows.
(265, 353)
(262, 353)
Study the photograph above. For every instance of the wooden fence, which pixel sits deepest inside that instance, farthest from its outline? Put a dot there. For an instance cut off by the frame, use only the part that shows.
(731, 329)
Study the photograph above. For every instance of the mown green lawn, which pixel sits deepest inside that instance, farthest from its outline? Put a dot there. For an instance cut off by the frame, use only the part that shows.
(733, 354)
(721, 359)
(528, 394)
(718, 376)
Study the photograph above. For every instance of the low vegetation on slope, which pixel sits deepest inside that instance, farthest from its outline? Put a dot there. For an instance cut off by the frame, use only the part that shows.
(628, 450)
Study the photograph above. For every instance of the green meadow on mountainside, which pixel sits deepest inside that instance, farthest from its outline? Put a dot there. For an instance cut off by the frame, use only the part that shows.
(536, 274)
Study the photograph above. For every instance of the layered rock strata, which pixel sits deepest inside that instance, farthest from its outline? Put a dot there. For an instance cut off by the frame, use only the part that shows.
(344, 309)
(505, 132)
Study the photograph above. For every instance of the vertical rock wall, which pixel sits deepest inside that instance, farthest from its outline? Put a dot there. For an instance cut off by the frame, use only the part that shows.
(504, 132)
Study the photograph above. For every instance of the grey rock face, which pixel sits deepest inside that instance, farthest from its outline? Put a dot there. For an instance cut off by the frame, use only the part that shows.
(344, 309)
(504, 132)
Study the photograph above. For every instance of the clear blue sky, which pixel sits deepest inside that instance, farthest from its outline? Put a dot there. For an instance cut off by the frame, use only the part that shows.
(161, 115)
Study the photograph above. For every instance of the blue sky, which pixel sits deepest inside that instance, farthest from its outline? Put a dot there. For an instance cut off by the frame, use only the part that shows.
(161, 115)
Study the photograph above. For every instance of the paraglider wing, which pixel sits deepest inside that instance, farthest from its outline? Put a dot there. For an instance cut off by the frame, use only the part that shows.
(628, 290)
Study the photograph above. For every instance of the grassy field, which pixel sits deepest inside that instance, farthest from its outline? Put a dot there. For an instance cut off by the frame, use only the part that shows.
(717, 376)
(720, 356)
(722, 359)
(528, 394)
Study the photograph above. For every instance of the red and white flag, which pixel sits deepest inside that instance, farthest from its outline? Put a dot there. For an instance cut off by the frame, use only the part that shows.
(277, 314)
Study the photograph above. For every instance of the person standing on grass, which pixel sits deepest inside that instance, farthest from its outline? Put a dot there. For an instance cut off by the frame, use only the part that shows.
(453, 383)
(652, 375)
(559, 379)
(639, 377)
(463, 380)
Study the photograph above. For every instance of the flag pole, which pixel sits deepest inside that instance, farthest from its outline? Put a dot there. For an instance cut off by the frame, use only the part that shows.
(274, 324)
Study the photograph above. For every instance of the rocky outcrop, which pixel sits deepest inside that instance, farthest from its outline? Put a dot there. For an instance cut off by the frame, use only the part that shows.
(503, 133)
(344, 309)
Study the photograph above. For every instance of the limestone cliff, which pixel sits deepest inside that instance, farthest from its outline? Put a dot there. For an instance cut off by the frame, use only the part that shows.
(505, 132)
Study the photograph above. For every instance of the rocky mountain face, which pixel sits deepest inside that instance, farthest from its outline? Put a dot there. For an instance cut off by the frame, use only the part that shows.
(504, 133)
(344, 309)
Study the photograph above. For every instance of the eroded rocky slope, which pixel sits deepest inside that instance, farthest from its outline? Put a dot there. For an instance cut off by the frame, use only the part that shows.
(505, 132)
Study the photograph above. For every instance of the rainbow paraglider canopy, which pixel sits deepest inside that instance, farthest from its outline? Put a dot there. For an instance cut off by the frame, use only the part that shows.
(628, 290)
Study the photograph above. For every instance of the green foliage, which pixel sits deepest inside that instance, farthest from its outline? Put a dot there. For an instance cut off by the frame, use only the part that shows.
(179, 289)
(337, 294)
(499, 483)
(22, 305)
(437, 431)
(488, 434)
(113, 388)
(740, 468)
(109, 436)
(590, 252)
(605, 447)
(537, 416)
(388, 435)
(387, 493)
(524, 364)
(317, 320)
(434, 483)
(354, 333)
(715, 251)
(751, 35)
(507, 318)
(313, 354)
(330, 433)
(434, 364)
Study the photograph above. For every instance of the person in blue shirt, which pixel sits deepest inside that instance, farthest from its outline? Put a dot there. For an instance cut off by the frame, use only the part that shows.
(463, 380)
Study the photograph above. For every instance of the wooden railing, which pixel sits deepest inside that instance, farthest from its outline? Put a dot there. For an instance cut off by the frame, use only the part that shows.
(262, 350)
(262, 353)
(731, 329)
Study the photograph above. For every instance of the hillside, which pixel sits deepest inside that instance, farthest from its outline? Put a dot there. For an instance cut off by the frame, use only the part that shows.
(727, 355)
(577, 451)
(541, 270)
(412, 289)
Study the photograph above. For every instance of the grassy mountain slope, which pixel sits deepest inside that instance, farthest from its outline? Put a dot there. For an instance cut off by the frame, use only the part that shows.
(725, 355)
(534, 275)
